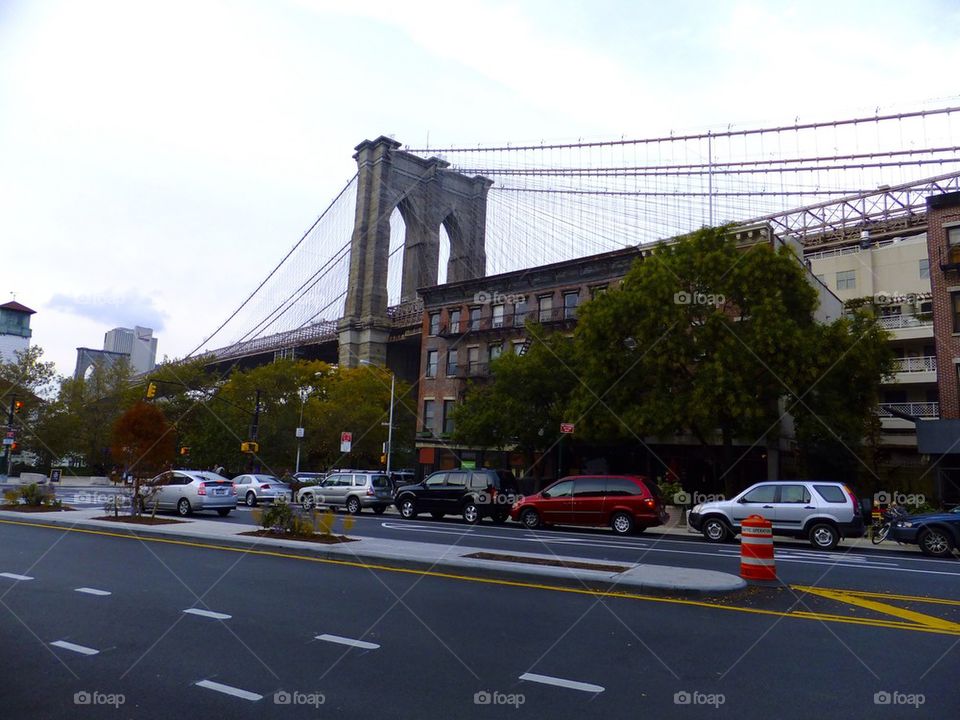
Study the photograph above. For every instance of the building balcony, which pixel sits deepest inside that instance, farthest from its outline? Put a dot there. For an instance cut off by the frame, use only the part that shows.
(915, 369)
(908, 327)
(921, 410)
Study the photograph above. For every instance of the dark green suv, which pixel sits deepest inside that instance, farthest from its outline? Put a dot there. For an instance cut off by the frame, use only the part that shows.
(472, 494)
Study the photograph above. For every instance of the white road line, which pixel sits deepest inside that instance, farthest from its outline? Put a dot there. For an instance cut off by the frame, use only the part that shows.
(92, 591)
(560, 682)
(348, 641)
(75, 648)
(228, 690)
(14, 576)
(208, 614)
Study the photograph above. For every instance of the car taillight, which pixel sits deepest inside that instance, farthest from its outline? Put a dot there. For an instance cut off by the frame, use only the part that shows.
(650, 503)
(202, 489)
(264, 487)
(853, 499)
(370, 491)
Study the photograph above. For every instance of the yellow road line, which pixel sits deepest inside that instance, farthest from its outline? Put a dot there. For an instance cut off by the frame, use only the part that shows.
(953, 629)
(888, 596)
(852, 597)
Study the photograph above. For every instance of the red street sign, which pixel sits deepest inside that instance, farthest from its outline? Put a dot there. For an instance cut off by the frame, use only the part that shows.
(566, 428)
(346, 437)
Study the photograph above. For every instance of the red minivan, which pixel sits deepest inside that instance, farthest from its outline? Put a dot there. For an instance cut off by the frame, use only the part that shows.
(627, 503)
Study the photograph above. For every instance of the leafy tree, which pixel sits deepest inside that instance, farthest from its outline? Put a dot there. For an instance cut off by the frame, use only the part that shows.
(144, 442)
(526, 401)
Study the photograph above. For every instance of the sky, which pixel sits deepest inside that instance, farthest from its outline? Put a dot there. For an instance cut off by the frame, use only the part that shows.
(158, 159)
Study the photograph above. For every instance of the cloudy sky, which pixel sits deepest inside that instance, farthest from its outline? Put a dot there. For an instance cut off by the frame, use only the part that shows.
(157, 159)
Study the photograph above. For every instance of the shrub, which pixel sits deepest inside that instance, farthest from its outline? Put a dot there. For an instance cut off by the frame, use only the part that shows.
(669, 489)
(278, 517)
(33, 494)
(11, 497)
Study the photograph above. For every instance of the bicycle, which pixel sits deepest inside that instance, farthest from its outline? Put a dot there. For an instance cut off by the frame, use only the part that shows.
(879, 531)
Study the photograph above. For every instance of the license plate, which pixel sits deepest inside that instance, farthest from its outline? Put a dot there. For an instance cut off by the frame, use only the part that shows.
(220, 491)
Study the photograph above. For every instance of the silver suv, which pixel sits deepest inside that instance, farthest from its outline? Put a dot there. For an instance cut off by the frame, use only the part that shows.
(822, 512)
(352, 489)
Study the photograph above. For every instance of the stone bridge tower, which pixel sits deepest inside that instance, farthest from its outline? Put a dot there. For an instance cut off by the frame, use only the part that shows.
(428, 196)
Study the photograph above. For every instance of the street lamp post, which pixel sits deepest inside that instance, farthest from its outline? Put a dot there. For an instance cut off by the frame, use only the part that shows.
(303, 399)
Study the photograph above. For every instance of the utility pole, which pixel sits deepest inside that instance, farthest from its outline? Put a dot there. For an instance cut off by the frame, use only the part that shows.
(7, 441)
(254, 429)
(393, 379)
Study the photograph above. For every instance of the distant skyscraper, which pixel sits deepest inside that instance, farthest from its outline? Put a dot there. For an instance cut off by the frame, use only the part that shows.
(138, 342)
(14, 330)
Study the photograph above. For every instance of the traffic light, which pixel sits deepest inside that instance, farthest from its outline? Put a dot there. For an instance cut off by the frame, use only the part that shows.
(184, 450)
(13, 448)
(249, 447)
(151, 390)
(17, 406)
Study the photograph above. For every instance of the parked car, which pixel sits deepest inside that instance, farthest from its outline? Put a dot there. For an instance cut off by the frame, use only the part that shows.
(188, 491)
(937, 533)
(472, 494)
(353, 490)
(309, 478)
(399, 478)
(252, 489)
(823, 512)
(627, 503)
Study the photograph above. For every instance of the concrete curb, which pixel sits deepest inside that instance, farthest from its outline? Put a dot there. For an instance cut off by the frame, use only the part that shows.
(406, 555)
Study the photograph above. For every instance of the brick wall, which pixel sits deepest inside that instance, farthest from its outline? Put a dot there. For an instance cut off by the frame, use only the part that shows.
(943, 211)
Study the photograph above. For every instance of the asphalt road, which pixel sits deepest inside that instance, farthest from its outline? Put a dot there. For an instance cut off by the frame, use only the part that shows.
(412, 645)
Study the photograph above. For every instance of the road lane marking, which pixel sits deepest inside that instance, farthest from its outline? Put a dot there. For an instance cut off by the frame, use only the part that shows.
(229, 690)
(348, 641)
(869, 602)
(14, 576)
(75, 648)
(207, 613)
(612, 594)
(561, 682)
(92, 591)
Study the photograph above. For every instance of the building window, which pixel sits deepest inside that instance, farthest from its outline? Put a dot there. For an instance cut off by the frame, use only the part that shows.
(434, 323)
(475, 318)
(847, 280)
(955, 304)
(518, 346)
(431, 370)
(497, 316)
(451, 362)
(545, 307)
(429, 412)
(953, 245)
(520, 310)
(597, 290)
(473, 360)
(448, 406)
(495, 351)
(454, 321)
(924, 268)
(570, 302)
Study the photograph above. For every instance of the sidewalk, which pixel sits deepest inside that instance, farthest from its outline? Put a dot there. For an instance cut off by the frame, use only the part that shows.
(380, 552)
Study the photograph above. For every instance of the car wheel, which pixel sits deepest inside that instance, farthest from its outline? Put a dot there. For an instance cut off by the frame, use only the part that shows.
(437, 515)
(824, 536)
(622, 523)
(250, 499)
(471, 514)
(353, 506)
(408, 509)
(307, 502)
(935, 543)
(530, 519)
(714, 530)
(379, 509)
(183, 507)
(223, 512)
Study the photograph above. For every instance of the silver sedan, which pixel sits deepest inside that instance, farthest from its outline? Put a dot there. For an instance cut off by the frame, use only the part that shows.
(255, 488)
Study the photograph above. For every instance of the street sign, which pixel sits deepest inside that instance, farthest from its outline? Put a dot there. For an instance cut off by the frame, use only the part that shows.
(468, 464)
(55, 475)
(8, 441)
(566, 428)
(346, 441)
(299, 432)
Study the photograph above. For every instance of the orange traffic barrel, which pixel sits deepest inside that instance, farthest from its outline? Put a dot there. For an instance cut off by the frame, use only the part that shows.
(756, 549)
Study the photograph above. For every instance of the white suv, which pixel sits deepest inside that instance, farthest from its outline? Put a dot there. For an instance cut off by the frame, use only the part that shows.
(822, 512)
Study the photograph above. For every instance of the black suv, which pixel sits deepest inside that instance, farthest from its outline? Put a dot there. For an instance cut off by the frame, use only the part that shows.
(472, 494)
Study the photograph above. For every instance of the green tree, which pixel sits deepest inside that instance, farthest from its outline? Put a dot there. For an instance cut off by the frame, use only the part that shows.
(526, 401)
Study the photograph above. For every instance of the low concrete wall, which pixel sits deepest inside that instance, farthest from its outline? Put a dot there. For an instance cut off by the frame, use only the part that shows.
(65, 479)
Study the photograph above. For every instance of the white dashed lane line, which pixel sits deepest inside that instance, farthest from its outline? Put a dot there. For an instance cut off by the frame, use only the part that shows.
(92, 591)
(207, 614)
(561, 682)
(348, 641)
(229, 690)
(14, 576)
(74, 648)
